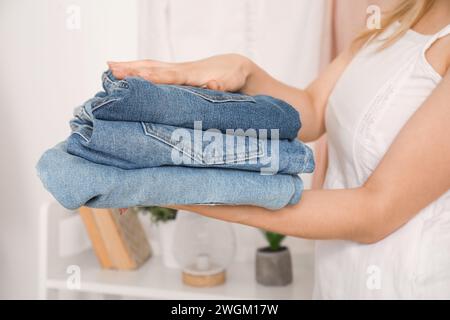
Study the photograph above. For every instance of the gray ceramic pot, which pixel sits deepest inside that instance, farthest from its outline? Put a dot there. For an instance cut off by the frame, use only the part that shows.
(273, 268)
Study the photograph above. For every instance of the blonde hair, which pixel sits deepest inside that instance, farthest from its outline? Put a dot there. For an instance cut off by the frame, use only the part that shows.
(407, 13)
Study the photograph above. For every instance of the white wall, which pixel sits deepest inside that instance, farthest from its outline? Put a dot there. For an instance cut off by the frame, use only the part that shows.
(46, 70)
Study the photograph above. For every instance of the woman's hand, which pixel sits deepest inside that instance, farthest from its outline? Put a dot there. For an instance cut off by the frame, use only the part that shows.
(227, 72)
(233, 72)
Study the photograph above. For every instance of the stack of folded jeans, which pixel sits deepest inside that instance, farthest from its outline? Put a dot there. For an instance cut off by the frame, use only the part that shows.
(140, 144)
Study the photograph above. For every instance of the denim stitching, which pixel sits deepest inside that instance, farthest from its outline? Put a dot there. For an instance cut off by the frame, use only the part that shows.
(81, 135)
(242, 156)
(120, 83)
(168, 140)
(104, 103)
(156, 135)
(212, 99)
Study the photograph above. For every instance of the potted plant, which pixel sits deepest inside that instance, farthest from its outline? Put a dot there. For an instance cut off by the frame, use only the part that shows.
(273, 263)
(165, 219)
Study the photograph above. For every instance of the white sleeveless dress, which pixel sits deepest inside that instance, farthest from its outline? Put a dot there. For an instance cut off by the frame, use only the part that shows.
(370, 104)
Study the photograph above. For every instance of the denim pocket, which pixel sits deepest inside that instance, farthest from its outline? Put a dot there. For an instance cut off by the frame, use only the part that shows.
(164, 135)
(217, 96)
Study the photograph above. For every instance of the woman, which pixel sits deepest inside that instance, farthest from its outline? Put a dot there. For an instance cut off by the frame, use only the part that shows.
(384, 219)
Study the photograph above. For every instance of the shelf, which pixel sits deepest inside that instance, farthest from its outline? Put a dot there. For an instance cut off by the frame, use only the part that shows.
(154, 281)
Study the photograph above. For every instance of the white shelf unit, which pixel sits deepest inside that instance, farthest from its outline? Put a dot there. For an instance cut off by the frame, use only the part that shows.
(153, 280)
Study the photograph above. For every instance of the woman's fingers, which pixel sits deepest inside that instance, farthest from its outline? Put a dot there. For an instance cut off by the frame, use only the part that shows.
(132, 64)
(139, 64)
(132, 68)
(217, 73)
(160, 75)
(223, 73)
(172, 75)
(122, 72)
(214, 85)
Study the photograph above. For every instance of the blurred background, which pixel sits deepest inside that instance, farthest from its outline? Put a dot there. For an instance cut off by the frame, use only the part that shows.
(52, 56)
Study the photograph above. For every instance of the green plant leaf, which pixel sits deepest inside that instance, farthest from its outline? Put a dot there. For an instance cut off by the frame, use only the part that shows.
(274, 240)
(159, 214)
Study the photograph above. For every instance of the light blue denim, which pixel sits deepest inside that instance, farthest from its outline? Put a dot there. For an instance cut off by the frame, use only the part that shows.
(137, 145)
(135, 99)
(75, 181)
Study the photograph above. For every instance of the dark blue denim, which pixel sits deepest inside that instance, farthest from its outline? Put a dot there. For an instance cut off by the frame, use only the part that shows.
(135, 99)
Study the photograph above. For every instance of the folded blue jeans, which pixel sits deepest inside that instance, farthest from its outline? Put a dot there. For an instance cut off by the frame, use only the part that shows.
(137, 145)
(138, 100)
(75, 181)
(134, 144)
